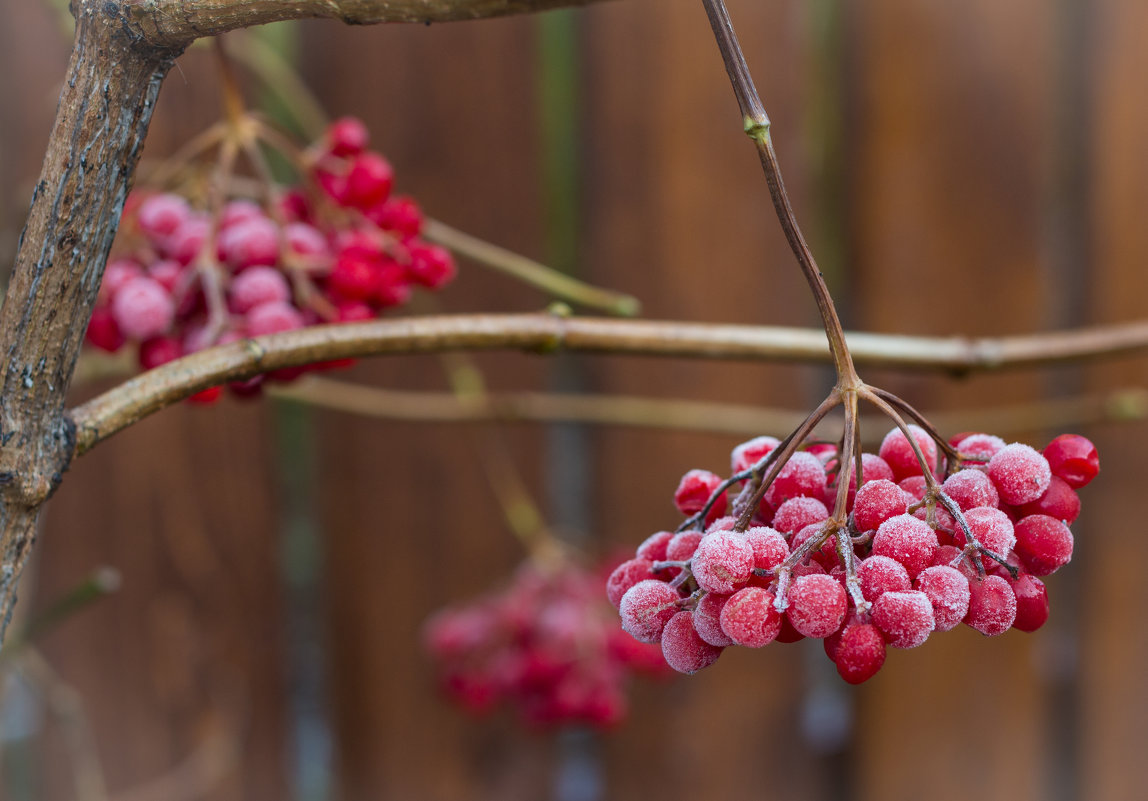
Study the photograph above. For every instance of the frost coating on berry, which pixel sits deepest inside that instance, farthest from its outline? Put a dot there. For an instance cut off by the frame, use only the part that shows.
(684, 650)
(908, 540)
(273, 318)
(797, 513)
(948, 590)
(1073, 458)
(1059, 501)
(1020, 473)
(876, 502)
(751, 452)
(249, 242)
(683, 546)
(1031, 603)
(905, 618)
(646, 608)
(992, 528)
(970, 489)
(625, 576)
(992, 606)
(914, 487)
(707, 619)
(802, 475)
(817, 605)
(826, 555)
(722, 524)
(160, 215)
(257, 286)
(722, 562)
(1043, 543)
(860, 653)
(979, 447)
(880, 574)
(769, 548)
(694, 491)
(750, 619)
(142, 308)
(654, 546)
(898, 453)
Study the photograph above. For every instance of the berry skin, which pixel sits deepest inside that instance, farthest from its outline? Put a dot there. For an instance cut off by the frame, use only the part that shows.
(257, 286)
(305, 240)
(992, 606)
(905, 618)
(117, 273)
(160, 215)
(979, 447)
(769, 548)
(749, 453)
(880, 574)
(991, 527)
(646, 608)
(1020, 473)
(914, 487)
(103, 332)
(897, 452)
(797, 513)
(369, 181)
(817, 605)
(908, 540)
(802, 475)
(860, 653)
(431, 266)
(1073, 458)
(948, 591)
(1059, 501)
(142, 308)
(159, 350)
(750, 619)
(707, 619)
(970, 489)
(695, 489)
(249, 242)
(273, 318)
(876, 502)
(347, 136)
(1043, 543)
(684, 650)
(1031, 603)
(683, 546)
(355, 277)
(826, 555)
(723, 562)
(625, 576)
(399, 214)
(654, 546)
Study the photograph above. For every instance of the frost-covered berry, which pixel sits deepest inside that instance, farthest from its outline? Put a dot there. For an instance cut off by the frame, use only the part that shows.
(750, 619)
(142, 308)
(749, 453)
(898, 453)
(707, 619)
(683, 546)
(1073, 458)
(880, 574)
(103, 332)
(159, 350)
(979, 447)
(970, 489)
(948, 591)
(1020, 473)
(1043, 543)
(1031, 603)
(625, 576)
(1059, 501)
(695, 489)
(826, 554)
(117, 273)
(431, 266)
(347, 136)
(769, 548)
(160, 215)
(399, 214)
(684, 650)
(797, 513)
(273, 318)
(908, 540)
(860, 653)
(914, 487)
(876, 502)
(305, 240)
(646, 608)
(654, 546)
(256, 286)
(186, 241)
(239, 210)
(905, 618)
(250, 242)
(992, 606)
(817, 605)
(802, 475)
(722, 562)
(991, 527)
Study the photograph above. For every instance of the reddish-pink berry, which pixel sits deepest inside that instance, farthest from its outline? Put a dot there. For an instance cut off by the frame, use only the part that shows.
(142, 308)
(347, 136)
(992, 606)
(908, 540)
(722, 562)
(431, 266)
(369, 181)
(695, 489)
(769, 548)
(257, 286)
(898, 453)
(749, 453)
(707, 619)
(970, 489)
(646, 608)
(948, 591)
(876, 502)
(1059, 501)
(1031, 603)
(1020, 473)
(682, 546)
(654, 546)
(1073, 458)
(160, 215)
(103, 332)
(399, 214)
(991, 527)
(249, 242)
(625, 576)
(905, 618)
(273, 318)
(860, 653)
(979, 447)
(797, 513)
(817, 605)
(159, 350)
(1043, 543)
(880, 574)
(750, 619)
(684, 650)
(802, 475)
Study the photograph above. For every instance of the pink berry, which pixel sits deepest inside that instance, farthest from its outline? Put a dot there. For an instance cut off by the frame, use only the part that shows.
(897, 452)
(273, 318)
(431, 266)
(1073, 458)
(250, 242)
(726, 523)
(860, 653)
(802, 475)
(1031, 603)
(826, 554)
(142, 308)
(160, 215)
(394, 287)
(879, 575)
(979, 447)
(722, 562)
(168, 272)
(1020, 473)
(948, 591)
(683, 546)
(369, 181)
(905, 618)
(654, 546)
(769, 547)
(400, 215)
(353, 311)
(750, 619)
(306, 240)
(256, 286)
(117, 273)
(354, 277)
(1059, 501)
(970, 489)
(237, 211)
(684, 650)
(186, 241)
(159, 350)
(695, 489)
(347, 136)
(625, 576)
(646, 608)
(992, 606)
(707, 619)
(797, 513)
(991, 527)
(817, 605)
(946, 555)
(914, 487)
(749, 453)
(1043, 543)
(908, 540)
(103, 332)
(876, 502)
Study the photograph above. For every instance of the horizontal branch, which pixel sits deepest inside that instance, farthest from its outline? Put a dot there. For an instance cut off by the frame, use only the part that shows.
(118, 408)
(176, 23)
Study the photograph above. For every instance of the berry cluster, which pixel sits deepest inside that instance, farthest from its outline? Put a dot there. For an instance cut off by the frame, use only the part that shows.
(914, 556)
(337, 248)
(546, 645)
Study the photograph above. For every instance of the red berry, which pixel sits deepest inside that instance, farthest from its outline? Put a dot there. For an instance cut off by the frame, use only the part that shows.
(1059, 501)
(142, 308)
(683, 546)
(876, 502)
(400, 215)
(187, 240)
(750, 619)
(695, 489)
(992, 606)
(355, 277)
(1073, 458)
(394, 288)
(707, 619)
(684, 650)
(802, 475)
(769, 547)
(237, 211)
(970, 489)
(103, 332)
(431, 266)
(751, 452)
(1020, 473)
(905, 618)
(347, 136)
(797, 513)
(353, 311)
(1043, 543)
(723, 562)
(979, 447)
(646, 608)
(1031, 603)
(860, 653)
(159, 350)
(206, 396)
(908, 540)
(249, 242)
(826, 554)
(654, 546)
(306, 240)
(625, 576)
(273, 318)
(160, 215)
(817, 605)
(369, 181)
(880, 574)
(897, 452)
(257, 286)
(948, 591)
(117, 273)
(991, 527)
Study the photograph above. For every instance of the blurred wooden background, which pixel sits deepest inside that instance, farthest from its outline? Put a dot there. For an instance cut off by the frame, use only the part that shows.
(973, 168)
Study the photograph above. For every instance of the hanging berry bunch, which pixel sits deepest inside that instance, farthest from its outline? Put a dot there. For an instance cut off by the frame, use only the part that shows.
(237, 259)
(546, 645)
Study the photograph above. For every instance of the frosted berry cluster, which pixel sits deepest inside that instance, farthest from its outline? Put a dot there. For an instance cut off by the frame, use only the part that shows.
(547, 645)
(338, 248)
(920, 555)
